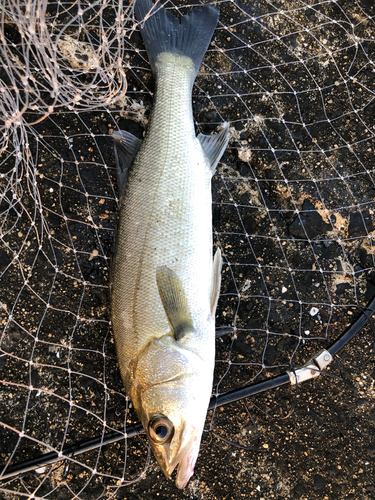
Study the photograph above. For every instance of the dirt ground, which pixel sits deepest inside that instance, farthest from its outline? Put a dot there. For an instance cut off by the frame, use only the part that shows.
(293, 212)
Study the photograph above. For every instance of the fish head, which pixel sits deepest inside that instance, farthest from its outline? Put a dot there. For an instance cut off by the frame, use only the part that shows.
(174, 424)
(171, 388)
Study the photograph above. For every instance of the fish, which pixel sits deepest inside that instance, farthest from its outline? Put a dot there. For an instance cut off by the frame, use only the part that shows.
(165, 280)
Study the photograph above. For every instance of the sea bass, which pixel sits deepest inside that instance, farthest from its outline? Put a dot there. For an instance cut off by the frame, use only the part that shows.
(165, 282)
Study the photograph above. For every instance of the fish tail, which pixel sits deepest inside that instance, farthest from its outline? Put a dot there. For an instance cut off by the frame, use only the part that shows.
(163, 32)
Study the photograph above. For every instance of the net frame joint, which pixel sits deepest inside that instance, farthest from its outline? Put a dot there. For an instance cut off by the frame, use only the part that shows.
(311, 369)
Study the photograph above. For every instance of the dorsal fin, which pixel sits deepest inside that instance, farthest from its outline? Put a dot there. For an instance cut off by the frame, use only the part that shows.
(126, 147)
(215, 145)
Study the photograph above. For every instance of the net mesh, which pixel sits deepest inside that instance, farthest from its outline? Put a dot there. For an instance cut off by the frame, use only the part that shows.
(293, 212)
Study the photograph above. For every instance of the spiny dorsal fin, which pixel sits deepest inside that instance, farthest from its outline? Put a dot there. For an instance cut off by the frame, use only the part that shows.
(216, 280)
(174, 302)
(215, 145)
(126, 147)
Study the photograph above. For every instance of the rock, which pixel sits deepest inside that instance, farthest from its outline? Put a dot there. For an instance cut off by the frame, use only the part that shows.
(309, 222)
(319, 481)
(103, 128)
(299, 490)
(333, 472)
(242, 348)
(270, 355)
(341, 287)
(360, 224)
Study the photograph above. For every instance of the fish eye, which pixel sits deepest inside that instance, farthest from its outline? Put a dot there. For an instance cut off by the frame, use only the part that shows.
(160, 429)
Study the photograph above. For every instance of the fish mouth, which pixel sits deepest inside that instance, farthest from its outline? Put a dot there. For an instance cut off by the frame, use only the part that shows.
(186, 466)
(185, 458)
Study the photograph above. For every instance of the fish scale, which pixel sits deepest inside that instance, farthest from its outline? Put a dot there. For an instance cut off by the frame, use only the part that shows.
(165, 219)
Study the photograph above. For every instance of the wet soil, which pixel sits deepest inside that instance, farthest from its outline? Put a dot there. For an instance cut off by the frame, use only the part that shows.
(293, 212)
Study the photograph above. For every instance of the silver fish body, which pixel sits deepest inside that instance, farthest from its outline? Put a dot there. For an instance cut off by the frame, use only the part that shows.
(165, 282)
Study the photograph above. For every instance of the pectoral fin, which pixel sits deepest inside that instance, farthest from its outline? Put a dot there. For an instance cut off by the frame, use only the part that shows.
(126, 147)
(174, 302)
(216, 280)
(215, 145)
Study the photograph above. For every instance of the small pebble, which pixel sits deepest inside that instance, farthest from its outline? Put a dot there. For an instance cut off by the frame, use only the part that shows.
(103, 128)
(314, 311)
(93, 254)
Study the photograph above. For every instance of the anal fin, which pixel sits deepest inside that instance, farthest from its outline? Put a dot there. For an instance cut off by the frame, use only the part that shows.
(174, 301)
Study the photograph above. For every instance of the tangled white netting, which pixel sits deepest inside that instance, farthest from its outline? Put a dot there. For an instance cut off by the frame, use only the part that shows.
(293, 211)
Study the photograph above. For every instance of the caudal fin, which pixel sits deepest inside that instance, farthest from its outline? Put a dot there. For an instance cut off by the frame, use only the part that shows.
(163, 32)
